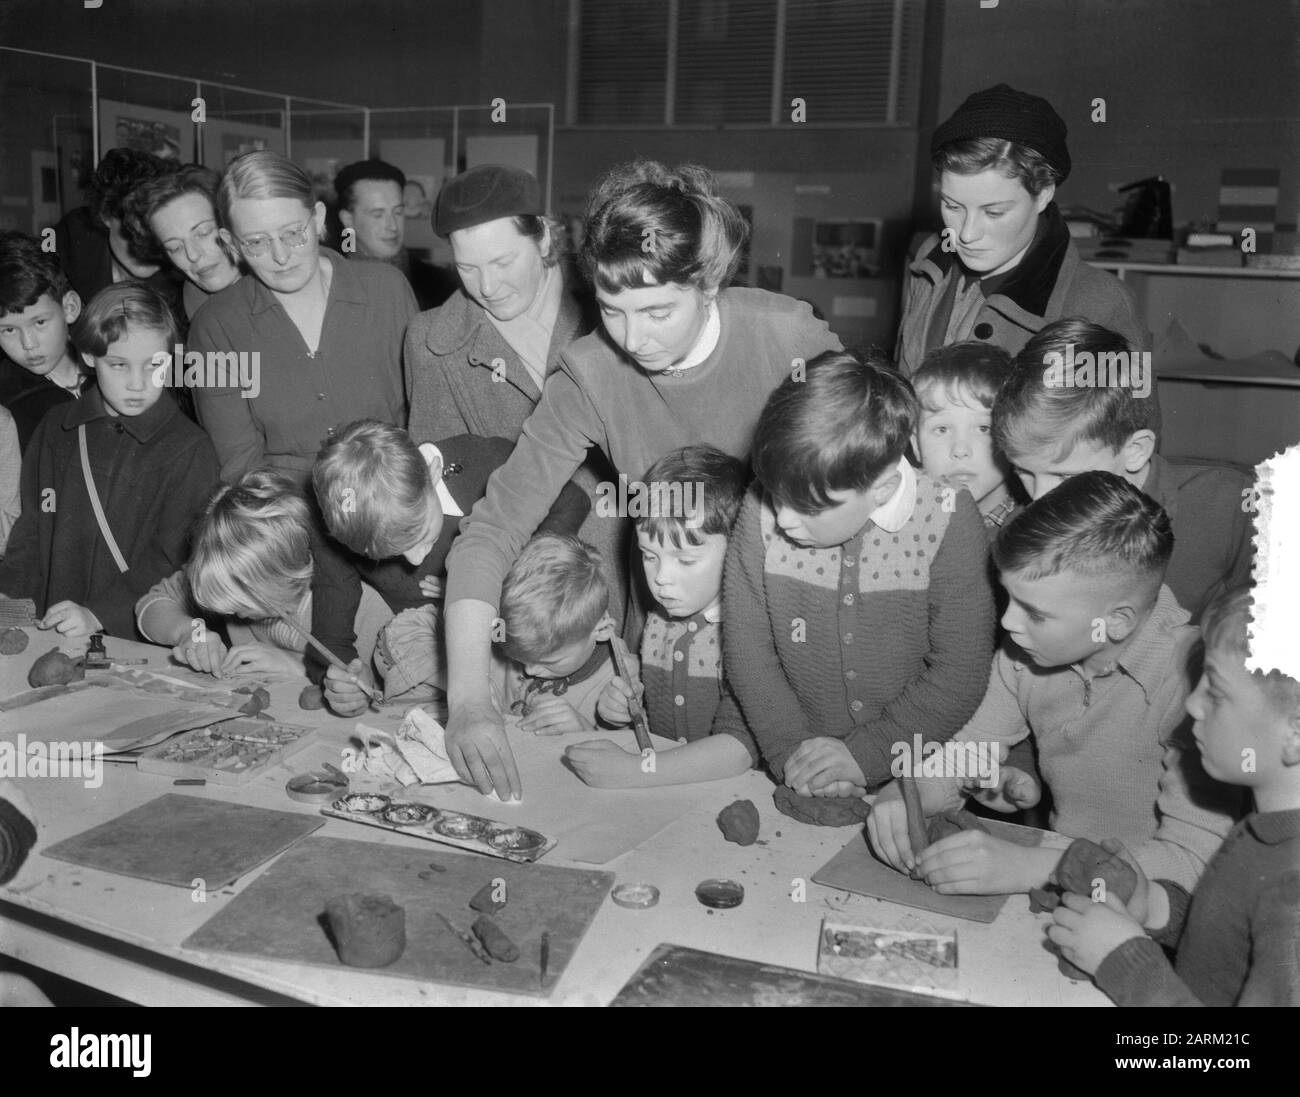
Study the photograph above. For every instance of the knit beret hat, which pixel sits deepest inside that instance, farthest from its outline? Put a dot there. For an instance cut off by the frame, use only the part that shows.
(1010, 115)
(485, 193)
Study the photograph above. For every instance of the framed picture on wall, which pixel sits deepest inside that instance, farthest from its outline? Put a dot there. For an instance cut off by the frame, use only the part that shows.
(223, 140)
(846, 249)
(165, 133)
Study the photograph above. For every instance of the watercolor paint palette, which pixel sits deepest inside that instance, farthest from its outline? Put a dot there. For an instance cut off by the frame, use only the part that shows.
(925, 963)
(229, 753)
(450, 828)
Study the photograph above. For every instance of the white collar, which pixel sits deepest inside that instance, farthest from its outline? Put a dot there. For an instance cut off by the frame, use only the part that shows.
(704, 345)
(893, 514)
(449, 505)
(713, 612)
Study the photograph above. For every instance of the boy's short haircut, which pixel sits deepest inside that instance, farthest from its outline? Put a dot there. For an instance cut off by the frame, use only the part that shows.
(252, 548)
(27, 273)
(1030, 415)
(1225, 625)
(115, 308)
(836, 428)
(959, 371)
(1095, 523)
(373, 488)
(716, 482)
(553, 596)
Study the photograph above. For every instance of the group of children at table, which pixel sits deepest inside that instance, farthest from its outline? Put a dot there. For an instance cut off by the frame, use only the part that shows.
(840, 604)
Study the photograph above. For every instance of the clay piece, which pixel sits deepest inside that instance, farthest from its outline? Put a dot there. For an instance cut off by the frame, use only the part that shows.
(739, 822)
(948, 823)
(13, 641)
(55, 669)
(369, 930)
(498, 945)
(484, 900)
(1044, 900)
(823, 811)
(259, 700)
(311, 698)
(1085, 862)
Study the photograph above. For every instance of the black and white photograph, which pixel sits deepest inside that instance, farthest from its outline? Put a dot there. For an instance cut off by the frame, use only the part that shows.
(584, 503)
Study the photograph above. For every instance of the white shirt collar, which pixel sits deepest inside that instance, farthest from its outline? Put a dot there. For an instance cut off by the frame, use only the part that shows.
(705, 344)
(893, 514)
(449, 505)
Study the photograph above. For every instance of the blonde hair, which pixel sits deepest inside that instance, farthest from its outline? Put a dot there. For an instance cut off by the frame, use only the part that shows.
(262, 175)
(252, 548)
(553, 596)
(373, 488)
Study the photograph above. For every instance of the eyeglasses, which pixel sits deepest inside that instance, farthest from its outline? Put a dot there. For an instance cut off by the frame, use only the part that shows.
(290, 238)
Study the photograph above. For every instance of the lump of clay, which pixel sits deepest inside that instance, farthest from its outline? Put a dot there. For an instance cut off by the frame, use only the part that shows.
(1043, 900)
(256, 703)
(739, 822)
(822, 811)
(484, 900)
(952, 822)
(312, 697)
(498, 945)
(1086, 861)
(13, 641)
(55, 669)
(369, 930)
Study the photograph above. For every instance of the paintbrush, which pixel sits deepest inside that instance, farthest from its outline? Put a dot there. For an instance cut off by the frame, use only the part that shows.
(544, 959)
(470, 941)
(916, 834)
(640, 725)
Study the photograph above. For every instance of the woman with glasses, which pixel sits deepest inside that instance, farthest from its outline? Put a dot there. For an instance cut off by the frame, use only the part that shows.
(177, 213)
(306, 345)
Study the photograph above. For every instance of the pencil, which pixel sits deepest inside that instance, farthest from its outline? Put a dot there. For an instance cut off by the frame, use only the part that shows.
(640, 725)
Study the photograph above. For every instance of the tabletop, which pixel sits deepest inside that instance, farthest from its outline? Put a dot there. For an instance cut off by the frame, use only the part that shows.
(124, 935)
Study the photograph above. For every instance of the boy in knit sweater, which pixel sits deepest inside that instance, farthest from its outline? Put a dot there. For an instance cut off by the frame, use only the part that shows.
(857, 609)
(695, 493)
(1095, 667)
(1238, 935)
(1079, 398)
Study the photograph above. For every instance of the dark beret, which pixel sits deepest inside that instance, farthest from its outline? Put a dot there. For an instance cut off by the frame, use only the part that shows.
(1010, 115)
(485, 193)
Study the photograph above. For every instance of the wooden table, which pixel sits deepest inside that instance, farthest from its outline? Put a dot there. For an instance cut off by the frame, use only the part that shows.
(124, 935)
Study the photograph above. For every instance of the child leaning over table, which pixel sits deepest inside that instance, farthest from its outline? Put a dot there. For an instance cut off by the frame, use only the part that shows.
(386, 503)
(1238, 934)
(1095, 666)
(86, 558)
(554, 654)
(685, 698)
(857, 607)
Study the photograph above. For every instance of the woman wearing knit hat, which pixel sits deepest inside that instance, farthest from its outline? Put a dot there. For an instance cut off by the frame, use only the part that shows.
(679, 360)
(1005, 265)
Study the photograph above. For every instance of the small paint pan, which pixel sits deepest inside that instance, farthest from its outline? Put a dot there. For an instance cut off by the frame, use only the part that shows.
(317, 786)
(635, 896)
(364, 803)
(720, 894)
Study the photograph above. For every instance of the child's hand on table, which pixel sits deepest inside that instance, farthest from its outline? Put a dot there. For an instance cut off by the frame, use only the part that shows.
(974, 862)
(551, 715)
(887, 823)
(342, 694)
(821, 762)
(612, 705)
(207, 655)
(1087, 932)
(603, 764)
(69, 619)
(262, 659)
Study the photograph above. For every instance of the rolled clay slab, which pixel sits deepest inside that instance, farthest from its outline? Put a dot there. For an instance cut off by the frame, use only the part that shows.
(369, 930)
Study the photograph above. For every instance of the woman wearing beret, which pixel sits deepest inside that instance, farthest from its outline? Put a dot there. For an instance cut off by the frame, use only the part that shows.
(679, 360)
(327, 334)
(1005, 266)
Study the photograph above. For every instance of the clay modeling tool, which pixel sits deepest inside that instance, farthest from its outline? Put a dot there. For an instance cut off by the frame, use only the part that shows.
(640, 725)
(915, 814)
(544, 958)
(333, 660)
(471, 942)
